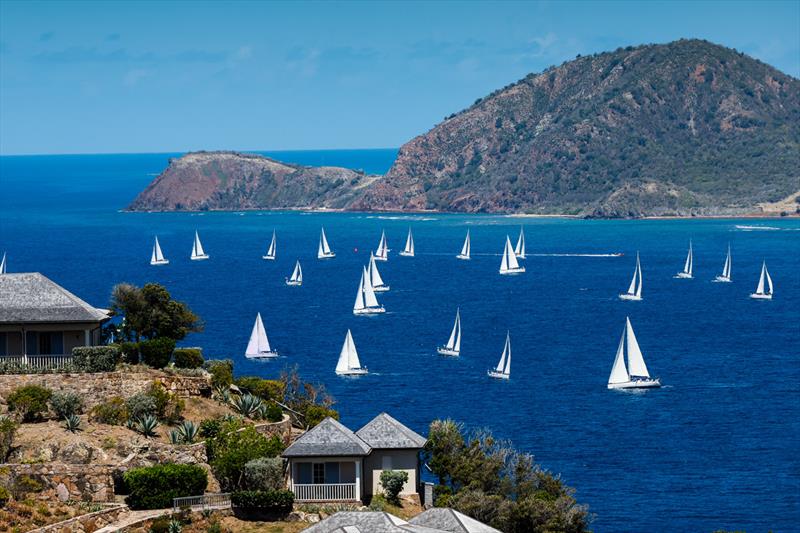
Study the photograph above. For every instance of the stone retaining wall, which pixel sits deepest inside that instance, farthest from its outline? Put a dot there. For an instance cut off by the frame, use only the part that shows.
(87, 523)
(94, 483)
(283, 429)
(98, 387)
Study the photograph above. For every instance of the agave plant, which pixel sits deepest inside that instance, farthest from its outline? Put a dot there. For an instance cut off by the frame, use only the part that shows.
(147, 425)
(175, 436)
(262, 412)
(174, 526)
(188, 431)
(222, 394)
(72, 423)
(131, 424)
(246, 405)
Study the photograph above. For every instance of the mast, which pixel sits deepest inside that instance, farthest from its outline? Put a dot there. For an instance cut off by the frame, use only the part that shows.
(3, 264)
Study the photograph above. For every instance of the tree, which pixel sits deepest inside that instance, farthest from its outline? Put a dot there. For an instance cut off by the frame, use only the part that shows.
(392, 482)
(150, 312)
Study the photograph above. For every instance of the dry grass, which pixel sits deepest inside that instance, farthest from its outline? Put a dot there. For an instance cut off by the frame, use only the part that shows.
(18, 516)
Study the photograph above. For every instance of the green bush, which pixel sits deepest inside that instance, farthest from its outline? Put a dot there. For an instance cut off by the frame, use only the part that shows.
(210, 427)
(157, 352)
(4, 496)
(168, 407)
(130, 352)
(140, 405)
(265, 473)
(234, 447)
(8, 428)
(274, 412)
(24, 485)
(30, 401)
(154, 487)
(188, 358)
(95, 358)
(392, 482)
(221, 372)
(266, 389)
(317, 413)
(113, 411)
(66, 404)
(269, 503)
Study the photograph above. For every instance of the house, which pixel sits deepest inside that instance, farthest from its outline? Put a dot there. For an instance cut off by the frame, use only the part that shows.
(437, 520)
(331, 463)
(40, 318)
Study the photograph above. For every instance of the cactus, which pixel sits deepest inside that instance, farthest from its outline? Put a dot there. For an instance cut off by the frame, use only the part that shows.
(188, 431)
(147, 425)
(247, 405)
(72, 423)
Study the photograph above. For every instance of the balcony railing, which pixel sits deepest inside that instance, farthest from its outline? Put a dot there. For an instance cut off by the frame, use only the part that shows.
(324, 492)
(36, 362)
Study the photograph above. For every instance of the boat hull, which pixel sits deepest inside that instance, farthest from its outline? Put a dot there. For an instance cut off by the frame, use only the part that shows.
(441, 350)
(326, 256)
(369, 311)
(268, 257)
(512, 271)
(757, 296)
(381, 288)
(630, 297)
(379, 258)
(637, 384)
(162, 262)
(722, 279)
(463, 257)
(291, 283)
(406, 254)
(682, 275)
(199, 257)
(353, 372)
(497, 375)
(263, 355)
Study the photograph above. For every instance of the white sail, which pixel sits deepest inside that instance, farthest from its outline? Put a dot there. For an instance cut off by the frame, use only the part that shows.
(382, 253)
(409, 249)
(157, 257)
(374, 275)
(348, 358)
(324, 250)
(769, 279)
(636, 366)
(465, 250)
(619, 374)
(519, 250)
(297, 275)
(3, 264)
(687, 267)
(764, 282)
(197, 248)
(726, 270)
(369, 292)
(509, 263)
(359, 304)
(272, 248)
(258, 346)
(639, 272)
(504, 366)
(454, 342)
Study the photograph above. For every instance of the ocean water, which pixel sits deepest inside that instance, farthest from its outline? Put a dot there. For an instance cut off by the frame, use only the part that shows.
(717, 447)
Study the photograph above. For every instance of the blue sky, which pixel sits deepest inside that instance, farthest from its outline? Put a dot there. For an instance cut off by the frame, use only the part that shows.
(159, 77)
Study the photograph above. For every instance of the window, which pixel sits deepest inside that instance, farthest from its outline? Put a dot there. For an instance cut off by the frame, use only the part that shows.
(31, 343)
(3, 343)
(386, 462)
(331, 472)
(319, 473)
(303, 473)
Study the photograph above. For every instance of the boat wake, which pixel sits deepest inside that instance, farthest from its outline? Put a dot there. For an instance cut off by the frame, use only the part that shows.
(616, 254)
(743, 227)
(402, 217)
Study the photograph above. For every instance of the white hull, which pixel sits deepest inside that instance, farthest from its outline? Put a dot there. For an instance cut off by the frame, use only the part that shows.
(757, 296)
(463, 257)
(682, 275)
(631, 297)
(379, 258)
(406, 254)
(447, 351)
(381, 288)
(518, 270)
(497, 375)
(722, 279)
(293, 283)
(263, 355)
(162, 262)
(352, 372)
(326, 256)
(637, 384)
(200, 257)
(369, 311)
(268, 257)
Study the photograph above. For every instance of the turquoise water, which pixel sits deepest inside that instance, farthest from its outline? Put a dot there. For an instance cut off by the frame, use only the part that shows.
(717, 447)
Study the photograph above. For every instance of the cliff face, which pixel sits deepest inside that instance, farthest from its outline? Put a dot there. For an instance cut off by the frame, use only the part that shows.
(683, 128)
(228, 180)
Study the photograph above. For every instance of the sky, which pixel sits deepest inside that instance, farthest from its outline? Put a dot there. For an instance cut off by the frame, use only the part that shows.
(127, 77)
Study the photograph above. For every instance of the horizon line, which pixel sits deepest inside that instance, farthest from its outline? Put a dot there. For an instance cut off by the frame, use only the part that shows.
(183, 152)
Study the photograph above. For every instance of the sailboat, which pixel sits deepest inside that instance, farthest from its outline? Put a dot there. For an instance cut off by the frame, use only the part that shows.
(635, 375)
(635, 288)
(297, 276)
(382, 253)
(197, 249)
(408, 251)
(366, 302)
(156, 258)
(324, 251)
(453, 346)
(726, 269)
(465, 250)
(509, 264)
(503, 368)
(258, 347)
(270, 256)
(760, 293)
(519, 250)
(348, 364)
(687, 267)
(3, 264)
(375, 277)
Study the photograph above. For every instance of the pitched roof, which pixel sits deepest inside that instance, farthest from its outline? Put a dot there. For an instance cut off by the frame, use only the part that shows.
(31, 297)
(329, 437)
(385, 432)
(446, 519)
(366, 522)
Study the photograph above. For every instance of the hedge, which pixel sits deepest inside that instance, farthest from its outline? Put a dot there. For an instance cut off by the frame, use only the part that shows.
(154, 487)
(130, 352)
(262, 503)
(95, 358)
(188, 358)
(157, 352)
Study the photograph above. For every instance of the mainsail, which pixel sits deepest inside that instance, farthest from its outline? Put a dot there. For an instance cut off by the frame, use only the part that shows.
(519, 250)
(636, 366)
(504, 366)
(375, 276)
(635, 288)
(454, 342)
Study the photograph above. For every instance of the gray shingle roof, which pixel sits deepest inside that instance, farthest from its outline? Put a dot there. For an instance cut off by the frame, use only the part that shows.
(445, 519)
(366, 522)
(31, 297)
(329, 437)
(385, 432)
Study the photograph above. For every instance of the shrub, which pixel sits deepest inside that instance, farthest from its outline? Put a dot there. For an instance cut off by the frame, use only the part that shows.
(188, 358)
(392, 482)
(154, 487)
(4, 496)
(8, 428)
(30, 401)
(95, 358)
(265, 473)
(139, 405)
(234, 447)
(65, 404)
(168, 407)
(221, 372)
(130, 352)
(266, 389)
(210, 427)
(157, 352)
(262, 503)
(113, 411)
(317, 413)
(72, 423)
(274, 412)
(24, 485)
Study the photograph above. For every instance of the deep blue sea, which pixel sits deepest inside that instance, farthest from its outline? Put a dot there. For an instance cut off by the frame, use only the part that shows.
(717, 447)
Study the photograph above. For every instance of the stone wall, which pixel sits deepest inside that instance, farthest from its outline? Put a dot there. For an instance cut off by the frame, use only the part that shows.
(98, 387)
(87, 523)
(94, 483)
(283, 429)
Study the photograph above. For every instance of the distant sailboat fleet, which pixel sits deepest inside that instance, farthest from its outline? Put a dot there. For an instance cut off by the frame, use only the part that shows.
(630, 375)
